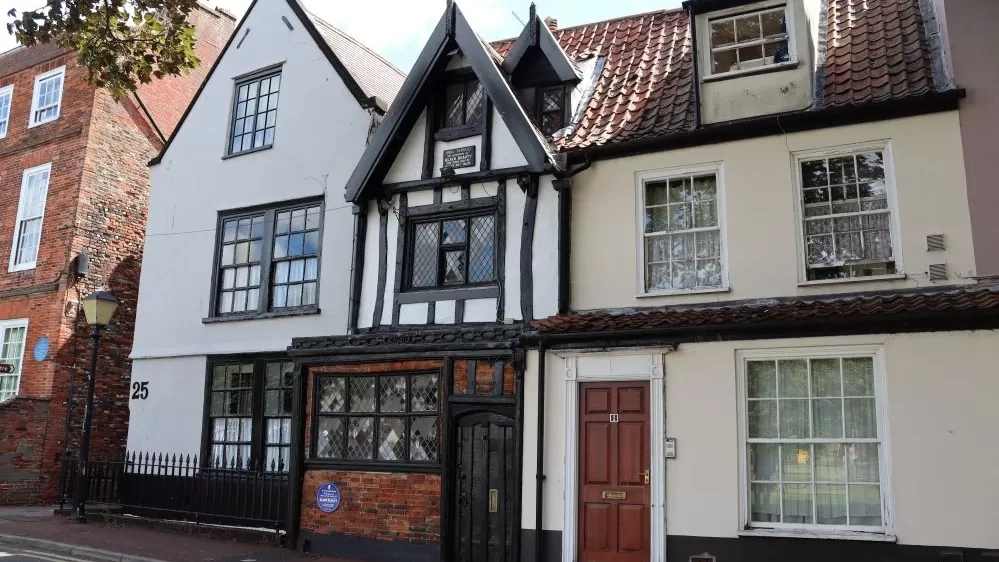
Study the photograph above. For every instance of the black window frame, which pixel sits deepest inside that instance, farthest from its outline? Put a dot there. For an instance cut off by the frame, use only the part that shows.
(245, 80)
(446, 132)
(258, 414)
(267, 262)
(466, 215)
(374, 463)
(562, 112)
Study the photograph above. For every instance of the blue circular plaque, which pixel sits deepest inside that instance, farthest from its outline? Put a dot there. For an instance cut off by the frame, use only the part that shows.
(42, 349)
(328, 497)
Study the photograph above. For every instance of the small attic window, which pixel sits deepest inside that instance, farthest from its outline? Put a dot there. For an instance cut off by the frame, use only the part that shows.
(551, 109)
(749, 40)
(461, 115)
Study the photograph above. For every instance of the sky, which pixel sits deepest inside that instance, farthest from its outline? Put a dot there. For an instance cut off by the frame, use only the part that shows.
(397, 29)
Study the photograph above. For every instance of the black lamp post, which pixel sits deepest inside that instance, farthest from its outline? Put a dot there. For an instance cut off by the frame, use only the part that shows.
(98, 307)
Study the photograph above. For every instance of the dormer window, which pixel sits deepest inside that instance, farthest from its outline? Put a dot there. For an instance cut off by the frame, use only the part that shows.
(551, 110)
(462, 112)
(749, 40)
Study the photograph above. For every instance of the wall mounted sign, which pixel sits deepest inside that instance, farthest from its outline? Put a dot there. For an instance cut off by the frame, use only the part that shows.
(6, 368)
(461, 157)
(328, 497)
(42, 349)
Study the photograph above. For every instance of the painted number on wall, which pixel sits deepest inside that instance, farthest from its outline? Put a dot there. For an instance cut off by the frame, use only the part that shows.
(140, 390)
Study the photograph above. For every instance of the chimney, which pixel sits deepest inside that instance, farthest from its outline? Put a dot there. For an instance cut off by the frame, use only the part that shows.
(552, 24)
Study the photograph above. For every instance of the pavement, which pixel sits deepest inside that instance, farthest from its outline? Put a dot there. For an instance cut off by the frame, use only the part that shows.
(35, 534)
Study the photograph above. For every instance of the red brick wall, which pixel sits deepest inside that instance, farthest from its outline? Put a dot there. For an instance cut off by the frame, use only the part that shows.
(375, 505)
(385, 506)
(97, 200)
(20, 452)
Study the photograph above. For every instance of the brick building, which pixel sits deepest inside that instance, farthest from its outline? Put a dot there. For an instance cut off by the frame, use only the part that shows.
(74, 188)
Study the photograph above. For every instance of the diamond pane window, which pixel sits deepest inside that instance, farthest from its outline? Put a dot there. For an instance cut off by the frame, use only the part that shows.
(846, 216)
(749, 41)
(463, 103)
(682, 238)
(11, 353)
(254, 114)
(377, 419)
(813, 445)
(453, 252)
(551, 110)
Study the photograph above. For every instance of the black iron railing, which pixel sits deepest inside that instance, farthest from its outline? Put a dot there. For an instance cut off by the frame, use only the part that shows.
(160, 486)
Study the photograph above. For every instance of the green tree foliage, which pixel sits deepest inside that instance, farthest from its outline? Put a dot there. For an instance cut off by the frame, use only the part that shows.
(123, 43)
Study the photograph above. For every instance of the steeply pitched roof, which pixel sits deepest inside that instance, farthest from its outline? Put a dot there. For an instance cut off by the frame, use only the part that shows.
(376, 76)
(874, 50)
(785, 311)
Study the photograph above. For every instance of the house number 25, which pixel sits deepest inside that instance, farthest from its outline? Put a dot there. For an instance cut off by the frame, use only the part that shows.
(140, 390)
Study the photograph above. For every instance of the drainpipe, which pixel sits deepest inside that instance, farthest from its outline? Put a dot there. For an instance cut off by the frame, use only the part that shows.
(540, 485)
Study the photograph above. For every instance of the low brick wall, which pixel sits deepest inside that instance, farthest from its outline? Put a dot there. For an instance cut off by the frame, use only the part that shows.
(382, 506)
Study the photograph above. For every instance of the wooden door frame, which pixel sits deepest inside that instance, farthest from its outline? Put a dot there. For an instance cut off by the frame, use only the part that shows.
(639, 365)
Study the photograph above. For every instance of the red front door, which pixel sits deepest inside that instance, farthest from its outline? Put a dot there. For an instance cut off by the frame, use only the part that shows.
(614, 460)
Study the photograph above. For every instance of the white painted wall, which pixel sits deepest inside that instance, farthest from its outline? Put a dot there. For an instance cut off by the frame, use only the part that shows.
(408, 165)
(941, 436)
(515, 201)
(760, 216)
(321, 133)
(505, 151)
(369, 279)
(170, 419)
(545, 261)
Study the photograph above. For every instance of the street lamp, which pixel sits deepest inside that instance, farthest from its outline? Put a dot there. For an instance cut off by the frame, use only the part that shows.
(98, 307)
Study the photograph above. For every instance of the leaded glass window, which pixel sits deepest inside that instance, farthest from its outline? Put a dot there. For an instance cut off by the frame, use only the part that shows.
(453, 252)
(249, 414)
(377, 418)
(551, 110)
(254, 114)
(682, 234)
(463, 104)
(813, 444)
(749, 41)
(847, 221)
(269, 260)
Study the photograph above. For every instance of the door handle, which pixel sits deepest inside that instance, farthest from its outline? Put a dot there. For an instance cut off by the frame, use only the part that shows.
(493, 500)
(645, 474)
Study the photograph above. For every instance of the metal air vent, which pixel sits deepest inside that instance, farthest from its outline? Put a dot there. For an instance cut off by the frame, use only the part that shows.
(705, 557)
(935, 243)
(938, 272)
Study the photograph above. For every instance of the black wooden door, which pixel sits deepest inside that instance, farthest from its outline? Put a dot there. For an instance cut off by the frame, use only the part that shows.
(484, 523)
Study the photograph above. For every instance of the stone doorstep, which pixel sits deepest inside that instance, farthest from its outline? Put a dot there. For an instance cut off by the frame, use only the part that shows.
(235, 534)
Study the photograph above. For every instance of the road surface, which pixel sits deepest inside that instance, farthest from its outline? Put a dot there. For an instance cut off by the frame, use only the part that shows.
(8, 554)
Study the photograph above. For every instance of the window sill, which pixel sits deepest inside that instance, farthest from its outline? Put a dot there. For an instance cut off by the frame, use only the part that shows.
(40, 123)
(411, 468)
(307, 311)
(655, 294)
(458, 133)
(250, 151)
(829, 535)
(789, 65)
(22, 267)
(892, 277)
(412, 297)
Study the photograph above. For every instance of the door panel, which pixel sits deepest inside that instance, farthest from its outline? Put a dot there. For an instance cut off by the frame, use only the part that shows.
(614, 459)
(484, 512)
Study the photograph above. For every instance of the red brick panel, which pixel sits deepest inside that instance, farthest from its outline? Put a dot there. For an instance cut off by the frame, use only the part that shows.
(384, 506)
(23, 422)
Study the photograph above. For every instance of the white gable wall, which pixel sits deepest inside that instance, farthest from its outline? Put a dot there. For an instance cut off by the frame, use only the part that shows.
(321, 132)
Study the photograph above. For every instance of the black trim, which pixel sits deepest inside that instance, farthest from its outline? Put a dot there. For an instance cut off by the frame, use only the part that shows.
(564, 193)
(487, 135)
(527, 249)
(458, 133)
(297, 456)
(366, 549)
(245, 152)
(402, 233)
(376, 317)
(466, 192)
(539, 486)
(446, 294)
(464, 205)
(428, 143)
(409, 103)
(348, 80)
(537, 34)
(432, 341)
(431, 312)
(459, 311)
(357, 265)
(551, 543)
(501, 250)
(438, 195)
(769, 125)
(282, 313)
(473, 177)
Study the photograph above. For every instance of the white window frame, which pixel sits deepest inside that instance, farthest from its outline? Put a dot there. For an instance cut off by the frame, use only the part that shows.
(8, 93)
(61, 71)
(716, 168)
(707, 50)
(894, 217)
(16, 323)
(14, 266)
(886, 532)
